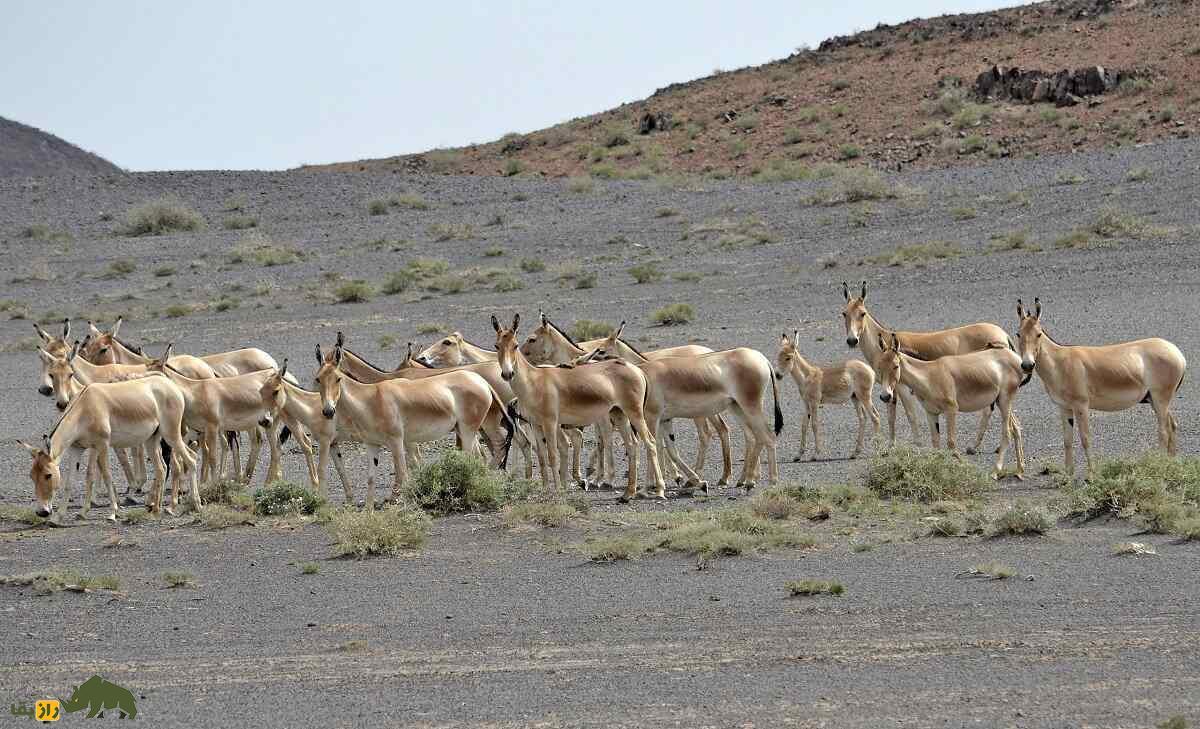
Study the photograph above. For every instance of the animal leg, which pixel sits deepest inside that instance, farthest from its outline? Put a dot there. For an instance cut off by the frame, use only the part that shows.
(1068, 430)
(935, 434)
(256, 440)
(341, 469)
(984, 419)
(861, 411)
(1019, 439)
(952, 430)
(1164, 425)
(726, 452)
(160, 468)
(648, 434)
(804, 428)
(400, 464)
(704, 433)
(1006, 420)
(102, 455)
(814, 415)
(93, 467)
(372, 468)
(1083, 422)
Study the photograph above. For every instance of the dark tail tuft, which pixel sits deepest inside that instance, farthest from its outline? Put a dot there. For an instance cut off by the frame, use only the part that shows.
(284, 433)
(165, 449)
(509, 428)
(231, 437)
(775, 394)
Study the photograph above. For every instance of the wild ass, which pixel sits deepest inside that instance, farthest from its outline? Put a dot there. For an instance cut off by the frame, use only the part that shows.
(553, 396)
(453, 350)
(1108, 378)
(281, 399)
(850, 381)
(399, 414)
(958, 383)
(363, 371)
(863, 330)
(142, 412)
(105, 348)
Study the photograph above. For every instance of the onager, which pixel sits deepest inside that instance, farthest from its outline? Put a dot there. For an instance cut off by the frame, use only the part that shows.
(863, 331)
(55, 347)
(105, 348)
(283, 400)
(553, 396)
(956, 383)
(399, 414)
(549, 344)
(141, 412)
(1108, 378)
(453, 350)
(222, 404)
(494, 430)
(849, 381)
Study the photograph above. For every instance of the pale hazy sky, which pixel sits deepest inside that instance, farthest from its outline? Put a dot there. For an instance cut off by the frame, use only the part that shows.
(221, 84)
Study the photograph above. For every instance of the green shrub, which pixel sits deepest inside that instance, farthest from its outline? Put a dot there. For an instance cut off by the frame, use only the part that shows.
(673, 314)
(507, 282)
(239, 222)
(616, 548)
(457, 482)
(161, 216)
(378, 207)
(175, 580)
(452, 231)
(798, 588)
(386, 531)
(586, 280)
(410, 200)
(849, 151)
(585, 329)
(354, 292)
(918, 253)
(220, 516)
(120, 269)
(175, 311)
(1160, 492)
(533, 265)
(580, 184)
(1020, 519)
(917, 474)
(282, 497)
(546, 514)
(447, 283)
(164, 271)
(398, 282)
(646, 273)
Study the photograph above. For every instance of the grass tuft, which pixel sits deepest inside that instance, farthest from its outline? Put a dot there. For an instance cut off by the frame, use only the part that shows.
(176, 580)
(1021, 519)
(918, 254)
(673, 314)
(387, 531)
(159, 217)
(799, 588)
(282, 498)
(909, 473)
(457, 482)
(354, 292)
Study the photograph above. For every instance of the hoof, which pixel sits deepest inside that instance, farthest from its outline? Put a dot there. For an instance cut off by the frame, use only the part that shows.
(606, 486)
(80, 517)
(970, 451)
(129, 501)
(748, 485)
(623, 499)
(112, 517)
(798, 459)
(723, 482)
(660, 495)
(704, 487)
(1020, 476)
(170, 511)
(679, 480)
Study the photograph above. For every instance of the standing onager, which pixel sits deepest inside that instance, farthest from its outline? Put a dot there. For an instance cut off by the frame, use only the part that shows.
(222, 404)
(959, 383)
(283, 400)
(452, 351)
(553, 396)
(55, 347)
(104, 348)
(399, 414)
(494, 430)
(141, 412)
(864, 330)
(1108, 378)
(851, 381)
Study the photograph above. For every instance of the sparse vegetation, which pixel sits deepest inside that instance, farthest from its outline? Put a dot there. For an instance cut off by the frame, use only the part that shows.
(616, 548)
(176, 580)
(507, 282)
(916, 254)
(387, 531)
(239, 222)
(159, 217)
(586, 280)
(354, 292)
(673, 314)
(990, 570)
(1016, 240)
(540, 513)
(804, 588)
(533, 265)
(849, 151)
(430, 328)
(855, 185)
(963, 213)
(1159, 492)
(309, 568)
(260, 249)
(1138, 174)
(735, 233)
(45, 582)
(457, 482)
(220, 516)
(580, 184)
(493, 253)
(646, 273)
(280, 498)
(378, 207)
(164, 271)
(119, 268)
(441, 232)
(1069, 178)
(1021, 518)
(908, 473)
(176, 311)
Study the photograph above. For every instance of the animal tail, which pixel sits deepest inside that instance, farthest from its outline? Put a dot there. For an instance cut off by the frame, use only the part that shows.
(231, 437)
(284, 433)
(165, 449)
(506, 422)
(775, 395)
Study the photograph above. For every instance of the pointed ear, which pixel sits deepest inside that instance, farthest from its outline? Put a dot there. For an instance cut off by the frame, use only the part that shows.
(846, 290)
(783, 340)
(116, 327)
(341, 340)
(882, 344)
(795, 336)
(337, 355)
(864, 290)
(167, 352)
(28, 447)
(74, 351)
(621, 328)
(283, 369)
(895, 342)
(46, 443)
(45, 356)
(1020, 311)
(320, 356)
(66, 328)
(542, 315)
(408, 355)
(1037, 303)
(92, 330)
(495, 323)
(42, 333)
(516, 322)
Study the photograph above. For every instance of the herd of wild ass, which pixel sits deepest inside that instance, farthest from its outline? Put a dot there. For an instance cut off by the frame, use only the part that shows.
(540, 392)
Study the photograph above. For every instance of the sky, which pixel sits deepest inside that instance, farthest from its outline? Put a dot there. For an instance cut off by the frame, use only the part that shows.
(273, 84)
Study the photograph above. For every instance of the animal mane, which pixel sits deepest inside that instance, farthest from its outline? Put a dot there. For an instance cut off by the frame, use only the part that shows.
(364, 361)
(565, 336)
(622, 340)
(476, 346)
(68, 410)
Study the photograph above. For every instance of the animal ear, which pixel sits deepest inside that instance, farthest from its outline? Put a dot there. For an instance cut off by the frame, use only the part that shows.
(341, 340)
(28, 447)
(882, 344)
(320, 356)
(846, 290)
(620, 328)
(337, 354)
(795, 336)
(66, 328)
(783, 340)
(516, 322)
(46, 443)
(42, 332)
(74, 351)
(283, 369)
(92, 330)
(495, 323)
(166, 355)
(542, 315)
(408, 355)
(116, 327)
(895, 342)
(1037, 303)
(45, 356)
(1020, 311)
(864, 290)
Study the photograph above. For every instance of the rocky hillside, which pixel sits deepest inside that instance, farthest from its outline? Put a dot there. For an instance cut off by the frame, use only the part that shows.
(29, 152)
(903, 96)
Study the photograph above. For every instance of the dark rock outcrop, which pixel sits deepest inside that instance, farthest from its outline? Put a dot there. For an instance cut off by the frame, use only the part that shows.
(29, 152)
(1064, 88)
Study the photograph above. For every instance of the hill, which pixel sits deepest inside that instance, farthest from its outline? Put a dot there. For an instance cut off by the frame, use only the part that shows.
(26, 151)
(895, 97)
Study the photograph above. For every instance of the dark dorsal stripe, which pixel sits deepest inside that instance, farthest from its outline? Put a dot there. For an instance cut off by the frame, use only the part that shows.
(632, 348)
(476, 346)
(362, 359)
(565, 336)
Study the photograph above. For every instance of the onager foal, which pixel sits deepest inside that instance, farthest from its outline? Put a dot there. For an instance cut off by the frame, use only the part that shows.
(864, 330)
(553, 396)
(1109, 378)
(850, 381)
(959, 383)
(140, 412)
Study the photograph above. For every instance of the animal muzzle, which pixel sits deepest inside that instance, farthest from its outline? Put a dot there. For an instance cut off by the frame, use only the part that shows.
(265, 422)
(45, 391)
(329, 411)
(1027, 366)
(60, 405)
(851, 342)
(422, 361)
(885, 396)
(43, 511)
(506, 376)
(779, 374)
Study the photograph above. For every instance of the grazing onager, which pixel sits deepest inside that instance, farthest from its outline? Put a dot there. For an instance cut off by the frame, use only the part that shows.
(849, 381)
(142, 412)
(553, 396)
(863, 330)
(1108, 377)
(399, 414)
(959, 383)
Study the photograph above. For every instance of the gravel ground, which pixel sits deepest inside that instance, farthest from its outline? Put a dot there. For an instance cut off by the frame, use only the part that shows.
(489, 626)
